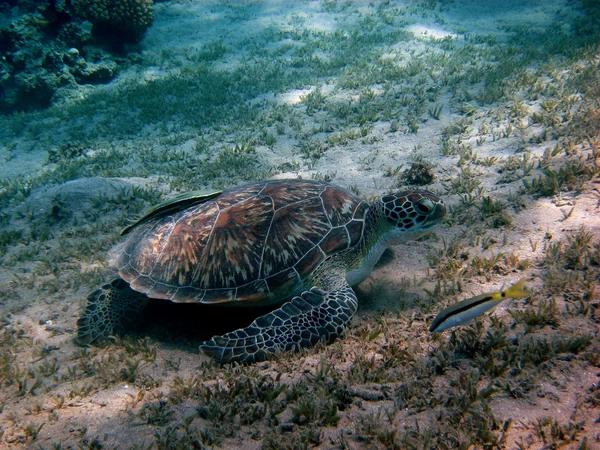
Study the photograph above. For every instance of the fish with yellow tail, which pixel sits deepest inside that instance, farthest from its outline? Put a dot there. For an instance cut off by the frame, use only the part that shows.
(464, 311)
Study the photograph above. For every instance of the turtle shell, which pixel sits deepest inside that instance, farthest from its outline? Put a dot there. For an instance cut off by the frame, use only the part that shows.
(255, 243)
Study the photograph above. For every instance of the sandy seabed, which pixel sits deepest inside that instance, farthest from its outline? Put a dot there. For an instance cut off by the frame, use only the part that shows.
(499, 102)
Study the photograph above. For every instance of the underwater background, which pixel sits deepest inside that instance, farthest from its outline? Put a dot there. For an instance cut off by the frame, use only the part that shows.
(108, 107)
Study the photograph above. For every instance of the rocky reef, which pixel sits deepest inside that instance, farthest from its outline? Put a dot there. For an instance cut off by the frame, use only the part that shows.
(49, 47)
(116, 19)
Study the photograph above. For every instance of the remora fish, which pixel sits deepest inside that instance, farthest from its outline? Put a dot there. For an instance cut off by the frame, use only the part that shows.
(466, 310)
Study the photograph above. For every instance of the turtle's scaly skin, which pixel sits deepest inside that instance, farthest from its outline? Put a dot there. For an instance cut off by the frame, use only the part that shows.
(315, 315)
(299, 243)
(111, 307)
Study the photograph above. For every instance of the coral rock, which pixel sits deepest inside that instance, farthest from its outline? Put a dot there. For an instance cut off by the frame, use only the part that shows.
(127, 18)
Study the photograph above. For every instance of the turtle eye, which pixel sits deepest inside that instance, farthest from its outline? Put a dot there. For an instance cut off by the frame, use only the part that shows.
(424, 206)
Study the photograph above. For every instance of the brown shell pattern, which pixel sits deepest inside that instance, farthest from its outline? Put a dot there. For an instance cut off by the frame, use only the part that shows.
(255, 243)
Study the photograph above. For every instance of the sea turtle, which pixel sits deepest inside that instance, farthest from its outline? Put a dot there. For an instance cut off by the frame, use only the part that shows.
(296, 243)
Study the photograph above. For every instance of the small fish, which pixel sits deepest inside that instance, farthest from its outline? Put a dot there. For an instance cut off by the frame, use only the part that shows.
(466, 310)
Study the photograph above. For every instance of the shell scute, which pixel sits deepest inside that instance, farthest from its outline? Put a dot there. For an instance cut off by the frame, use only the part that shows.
(141, 252)
(234, 196)
(218, 296)
(355, 230)
(335, 241)
(162, 290)
(310, 260)
(168, 248)
(187, 295)
(283, 282)
(339, 205)
(295, 229)
(143, 284)
(256, 291)
(283, 193)
(179, 257)
(232, 255)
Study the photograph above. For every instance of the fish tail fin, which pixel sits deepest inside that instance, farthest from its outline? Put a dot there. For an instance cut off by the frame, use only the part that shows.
(516, 290)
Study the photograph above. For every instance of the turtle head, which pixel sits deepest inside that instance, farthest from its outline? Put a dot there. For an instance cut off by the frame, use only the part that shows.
(411, 211)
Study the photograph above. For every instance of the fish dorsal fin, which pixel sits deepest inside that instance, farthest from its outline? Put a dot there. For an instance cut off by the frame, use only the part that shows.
(175, 204)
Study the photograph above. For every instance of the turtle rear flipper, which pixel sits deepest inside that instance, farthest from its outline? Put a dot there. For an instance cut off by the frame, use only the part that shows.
(109, 310)
(313, 316)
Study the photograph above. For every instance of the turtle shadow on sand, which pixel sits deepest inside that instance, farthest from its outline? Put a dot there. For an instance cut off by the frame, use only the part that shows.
(187, 325)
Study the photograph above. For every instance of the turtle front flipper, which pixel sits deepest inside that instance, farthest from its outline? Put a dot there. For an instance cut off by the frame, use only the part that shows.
(313, 316)
(109, 310)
